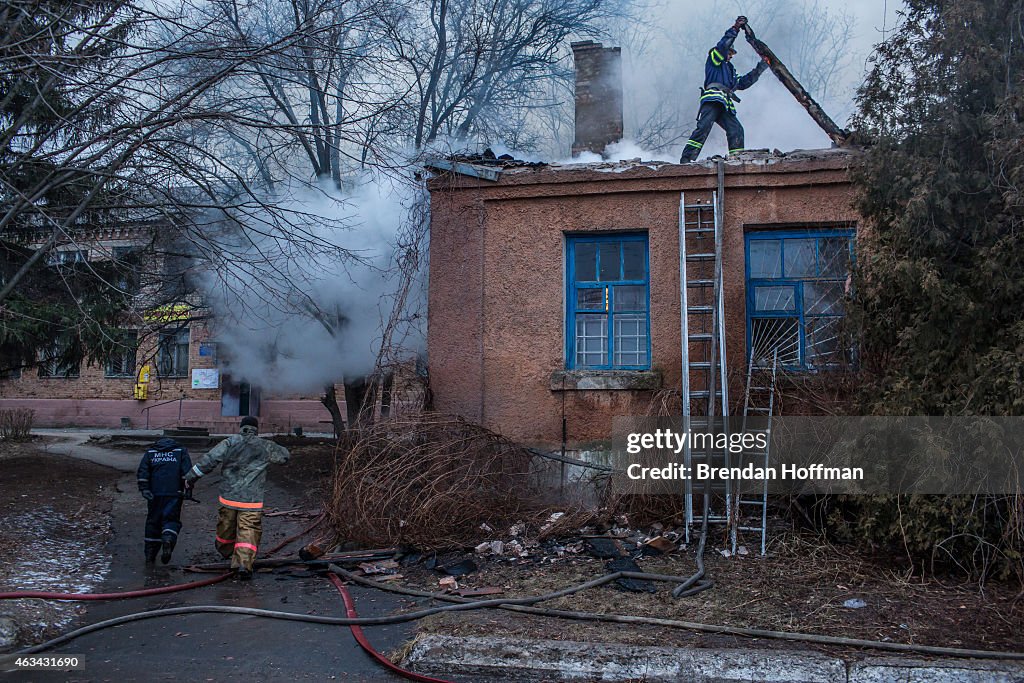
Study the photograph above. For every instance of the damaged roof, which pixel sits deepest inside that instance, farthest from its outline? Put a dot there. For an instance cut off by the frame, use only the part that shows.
(489, 167)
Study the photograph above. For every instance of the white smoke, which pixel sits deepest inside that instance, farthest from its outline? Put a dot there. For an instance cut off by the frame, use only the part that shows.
(315, 318)
(663, 67)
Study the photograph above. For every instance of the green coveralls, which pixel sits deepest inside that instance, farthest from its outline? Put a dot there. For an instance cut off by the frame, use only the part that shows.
(245, 458)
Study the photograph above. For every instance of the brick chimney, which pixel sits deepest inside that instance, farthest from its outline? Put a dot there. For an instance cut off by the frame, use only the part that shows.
(598, 96)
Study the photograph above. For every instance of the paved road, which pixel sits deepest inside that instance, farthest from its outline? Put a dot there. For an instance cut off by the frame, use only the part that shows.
(212, 647)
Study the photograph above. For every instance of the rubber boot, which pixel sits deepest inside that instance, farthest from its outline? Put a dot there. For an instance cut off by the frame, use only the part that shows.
(151, 552)
(168, 546)
(244, 574)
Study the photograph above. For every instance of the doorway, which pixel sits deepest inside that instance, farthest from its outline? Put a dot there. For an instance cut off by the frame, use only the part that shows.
(238, 399)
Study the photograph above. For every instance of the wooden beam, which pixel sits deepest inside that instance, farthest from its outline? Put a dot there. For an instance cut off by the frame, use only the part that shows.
(839, 136)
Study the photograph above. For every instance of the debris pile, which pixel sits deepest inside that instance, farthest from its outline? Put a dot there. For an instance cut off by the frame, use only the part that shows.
(427, 481)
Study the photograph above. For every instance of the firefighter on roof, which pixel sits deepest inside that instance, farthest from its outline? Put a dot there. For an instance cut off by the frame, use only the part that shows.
(717, 97)
(245, 458)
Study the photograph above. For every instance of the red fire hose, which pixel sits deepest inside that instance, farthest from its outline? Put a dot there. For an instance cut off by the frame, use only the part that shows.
(81, 597)
(357, 633)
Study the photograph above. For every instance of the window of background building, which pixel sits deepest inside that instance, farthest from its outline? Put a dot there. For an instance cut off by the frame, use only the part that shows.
(608, 324)
(172, 353)
(67, 257)
(121, 363)
(796, 290)
(127, 276)
(50, 365)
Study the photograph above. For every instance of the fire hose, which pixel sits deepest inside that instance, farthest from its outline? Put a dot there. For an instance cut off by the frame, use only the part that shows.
(525, 605)
(357, 633)
(84, 597)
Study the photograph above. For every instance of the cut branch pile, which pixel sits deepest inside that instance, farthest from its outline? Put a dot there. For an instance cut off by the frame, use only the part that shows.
(429, 481)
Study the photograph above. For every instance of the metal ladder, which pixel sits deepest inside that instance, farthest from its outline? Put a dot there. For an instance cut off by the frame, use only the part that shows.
(705, 390)
(750, 509)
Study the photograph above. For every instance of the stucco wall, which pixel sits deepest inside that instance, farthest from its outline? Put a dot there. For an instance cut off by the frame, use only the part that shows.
(496, 330)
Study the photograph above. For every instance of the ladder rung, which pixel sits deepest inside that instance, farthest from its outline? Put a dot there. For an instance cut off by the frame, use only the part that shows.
(700, 336)
(699, 283)
(752, 502)
(700, 257)
(711, 229)
(698, 309)
(703, 393)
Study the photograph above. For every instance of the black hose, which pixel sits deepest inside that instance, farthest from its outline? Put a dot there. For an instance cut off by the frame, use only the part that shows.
(342, 621)
(697, 582)
(703, 628)
(523, 605)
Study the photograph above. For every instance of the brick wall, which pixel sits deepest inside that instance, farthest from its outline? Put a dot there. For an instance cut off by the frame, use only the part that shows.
(496, 332)
(598, 96)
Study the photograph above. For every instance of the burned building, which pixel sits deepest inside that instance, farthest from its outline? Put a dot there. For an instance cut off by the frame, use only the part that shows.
(555, 289)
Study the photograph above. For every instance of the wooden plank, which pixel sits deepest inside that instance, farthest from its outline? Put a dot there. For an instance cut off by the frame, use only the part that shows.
(836, 134)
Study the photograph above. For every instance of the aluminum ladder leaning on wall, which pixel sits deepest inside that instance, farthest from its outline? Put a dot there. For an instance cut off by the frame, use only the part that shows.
(750, 502)
(705, 391)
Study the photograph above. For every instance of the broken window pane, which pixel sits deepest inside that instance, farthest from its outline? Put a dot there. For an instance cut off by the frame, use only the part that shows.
(630, 298)
(765, 258)
(823, 298)
(590, 299)
(591, 340)
(834, 257)
(586, 261)
(768, 335)
(823, 341)
(799, 310)
(799, 257)
(776, 298)
(634, 257)
(610, 266)
(630, 340)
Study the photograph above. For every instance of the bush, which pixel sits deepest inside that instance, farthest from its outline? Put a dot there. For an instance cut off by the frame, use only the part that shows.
(16, 424)
(429, 481)
(978, 536)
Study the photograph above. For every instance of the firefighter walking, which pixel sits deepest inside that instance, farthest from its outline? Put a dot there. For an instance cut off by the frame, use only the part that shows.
(245, 458)
(161, 478)
(718, 98)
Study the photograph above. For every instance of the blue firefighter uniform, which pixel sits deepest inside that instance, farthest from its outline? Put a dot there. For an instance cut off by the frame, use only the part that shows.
(717, 99)
(161, 478)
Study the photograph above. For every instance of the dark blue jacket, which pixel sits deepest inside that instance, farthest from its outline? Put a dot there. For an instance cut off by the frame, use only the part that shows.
(163, 468)
(717, 69)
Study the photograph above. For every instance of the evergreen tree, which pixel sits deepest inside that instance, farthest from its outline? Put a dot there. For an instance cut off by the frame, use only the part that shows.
(942, 271)
(941, 262)
(57, 102)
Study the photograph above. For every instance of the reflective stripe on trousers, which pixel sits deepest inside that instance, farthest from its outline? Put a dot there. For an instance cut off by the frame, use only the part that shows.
(238, 535)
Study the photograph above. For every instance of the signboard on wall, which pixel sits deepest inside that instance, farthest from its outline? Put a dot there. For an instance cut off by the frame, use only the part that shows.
(168, 314)
(205, 378)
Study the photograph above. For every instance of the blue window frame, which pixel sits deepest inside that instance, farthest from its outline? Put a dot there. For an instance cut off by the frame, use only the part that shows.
(608, 324)
(796, 289)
